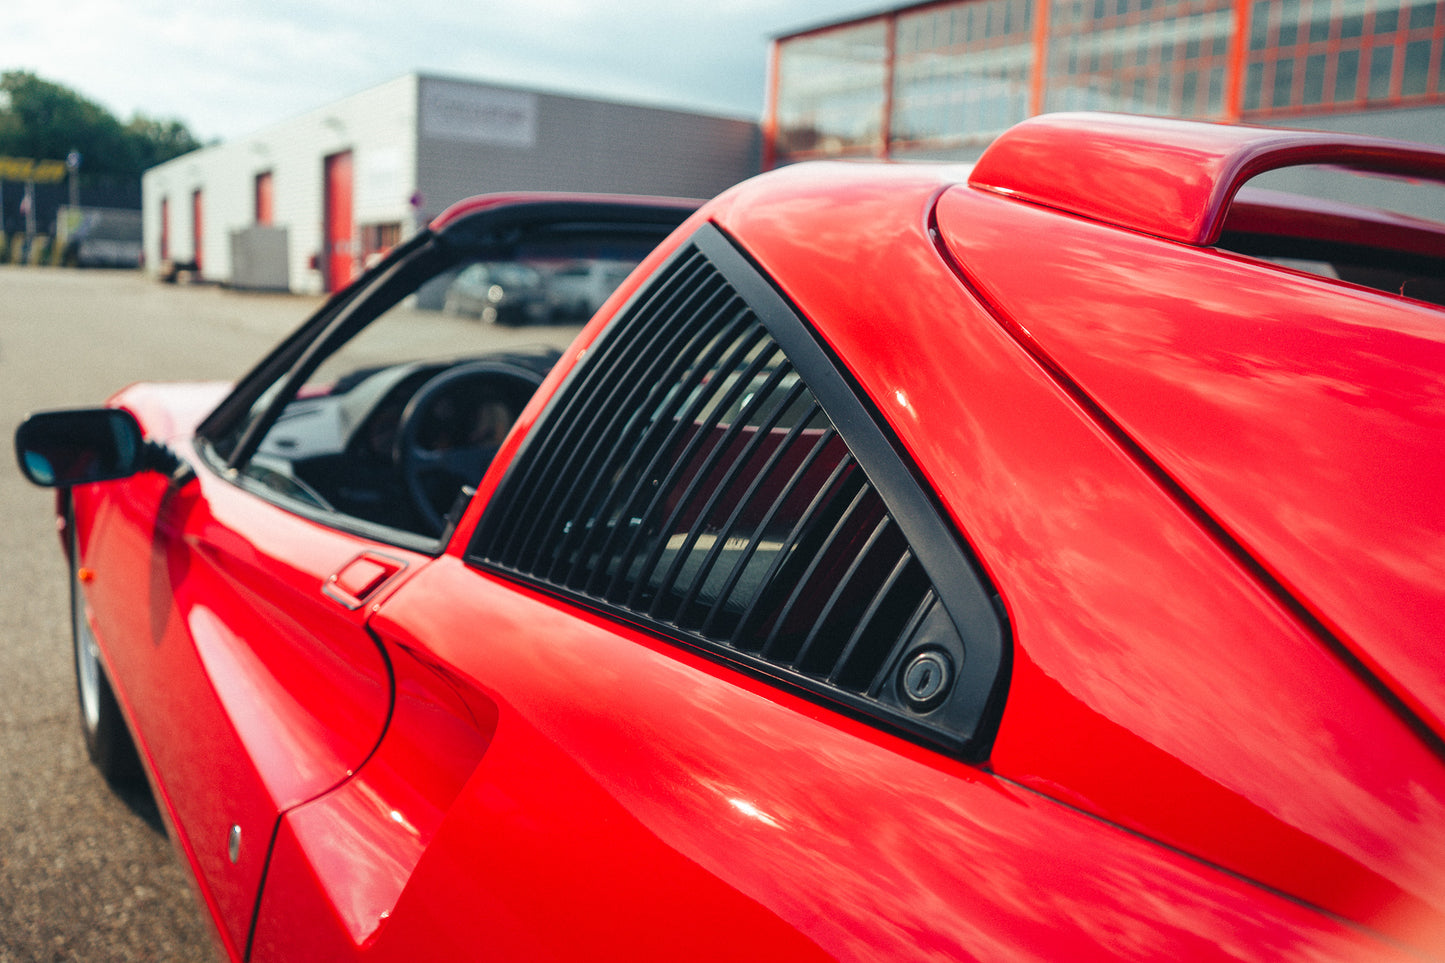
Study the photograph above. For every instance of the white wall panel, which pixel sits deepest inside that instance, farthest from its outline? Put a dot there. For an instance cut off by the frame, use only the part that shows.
(377, 126)
(440, 140)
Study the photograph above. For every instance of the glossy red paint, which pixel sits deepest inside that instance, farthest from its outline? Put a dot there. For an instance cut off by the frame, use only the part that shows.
(1337, 497)
(171, 410)
(1277, 213)
(252, 691)
(341, 863)
(1156, 709)
(639, 802)
(1222, 731)
(1170, 178)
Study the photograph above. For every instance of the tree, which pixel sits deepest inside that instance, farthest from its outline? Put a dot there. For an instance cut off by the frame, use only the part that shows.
(46, 121)
(157, 141)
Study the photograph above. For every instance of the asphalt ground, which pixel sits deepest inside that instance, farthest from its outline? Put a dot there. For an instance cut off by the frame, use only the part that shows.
(86, 874)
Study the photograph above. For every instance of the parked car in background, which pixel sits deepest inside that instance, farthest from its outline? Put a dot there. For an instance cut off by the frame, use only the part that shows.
(575, 291)
(1037, 560)
(499, 294)
(100, 237)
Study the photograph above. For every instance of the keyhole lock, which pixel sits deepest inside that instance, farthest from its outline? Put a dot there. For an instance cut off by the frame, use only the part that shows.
(926, 679)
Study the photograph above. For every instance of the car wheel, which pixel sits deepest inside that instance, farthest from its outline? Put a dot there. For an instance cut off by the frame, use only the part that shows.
(107, 740)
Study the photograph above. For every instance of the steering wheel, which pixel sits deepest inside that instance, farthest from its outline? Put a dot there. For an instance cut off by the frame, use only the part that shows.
(451, 430)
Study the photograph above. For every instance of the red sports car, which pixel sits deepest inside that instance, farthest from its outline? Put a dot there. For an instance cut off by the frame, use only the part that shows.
(1037, 560)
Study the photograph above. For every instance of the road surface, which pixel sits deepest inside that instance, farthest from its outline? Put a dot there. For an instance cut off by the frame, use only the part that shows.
(85, 874)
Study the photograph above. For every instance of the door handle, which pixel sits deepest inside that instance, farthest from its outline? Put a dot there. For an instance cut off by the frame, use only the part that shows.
(361, 578)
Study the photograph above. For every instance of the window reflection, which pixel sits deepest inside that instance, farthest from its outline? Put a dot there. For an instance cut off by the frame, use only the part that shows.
(944, 79)
(831, 90)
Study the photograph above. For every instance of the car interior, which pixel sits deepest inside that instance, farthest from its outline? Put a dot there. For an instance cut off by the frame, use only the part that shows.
(386, 409)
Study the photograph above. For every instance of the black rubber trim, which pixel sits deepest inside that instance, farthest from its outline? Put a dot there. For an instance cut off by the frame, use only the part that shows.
(956, 576)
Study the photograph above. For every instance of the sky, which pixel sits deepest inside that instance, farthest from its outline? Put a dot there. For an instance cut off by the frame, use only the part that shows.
(227, 68)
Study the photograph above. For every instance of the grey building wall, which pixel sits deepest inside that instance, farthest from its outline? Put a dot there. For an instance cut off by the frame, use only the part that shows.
(523, 140)
(1423, 124)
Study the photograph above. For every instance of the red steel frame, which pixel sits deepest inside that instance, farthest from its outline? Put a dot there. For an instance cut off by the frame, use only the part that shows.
(770, 111)
(1041, 56)
(1368, 44)
(1234, 78)
(1237, 62)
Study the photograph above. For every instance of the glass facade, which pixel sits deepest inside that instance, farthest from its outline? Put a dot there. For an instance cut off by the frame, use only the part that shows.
(961, 71)
(1311, 54)
(1139, 56)
(951, 75)
(836, 83)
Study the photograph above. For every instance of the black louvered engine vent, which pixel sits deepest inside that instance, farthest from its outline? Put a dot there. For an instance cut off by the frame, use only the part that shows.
(686, 477)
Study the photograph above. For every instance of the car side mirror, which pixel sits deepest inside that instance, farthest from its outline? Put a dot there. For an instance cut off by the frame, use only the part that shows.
(59, 449)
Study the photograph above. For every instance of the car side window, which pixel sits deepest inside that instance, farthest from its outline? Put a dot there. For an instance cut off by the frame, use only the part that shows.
(708, 471)
(387, 429)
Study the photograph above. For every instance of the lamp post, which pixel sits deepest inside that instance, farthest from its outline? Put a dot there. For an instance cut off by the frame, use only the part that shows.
(27, 208)
(72, 164)
(5, 103)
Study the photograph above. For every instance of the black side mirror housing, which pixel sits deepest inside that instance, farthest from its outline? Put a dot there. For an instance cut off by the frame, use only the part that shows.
(60, 449)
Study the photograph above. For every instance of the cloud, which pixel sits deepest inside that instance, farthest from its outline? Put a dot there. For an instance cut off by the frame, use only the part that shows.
(228, 67)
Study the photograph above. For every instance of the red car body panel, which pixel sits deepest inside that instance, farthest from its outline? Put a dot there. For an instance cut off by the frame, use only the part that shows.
(1170, 178)
(1324, 471)
(255, 690)
(1276, 212)
(490, 202)
(1222, 731)
(665, 818)
(1132, 713)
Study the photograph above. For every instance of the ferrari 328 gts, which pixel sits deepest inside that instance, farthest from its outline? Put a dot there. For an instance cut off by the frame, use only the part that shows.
(1043, 559)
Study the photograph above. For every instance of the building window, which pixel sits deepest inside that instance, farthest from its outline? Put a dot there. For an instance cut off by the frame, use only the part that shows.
(953, 74)
(831, 91)
(377, 240)
(1140, 56)
(1311, 54)
(962, 73)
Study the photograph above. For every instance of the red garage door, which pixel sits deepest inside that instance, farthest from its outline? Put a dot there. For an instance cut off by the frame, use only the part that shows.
(196, 232)
(265, 198)
(338, 260)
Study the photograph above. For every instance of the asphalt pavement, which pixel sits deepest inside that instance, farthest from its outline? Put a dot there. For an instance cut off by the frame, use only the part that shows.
(86, 874)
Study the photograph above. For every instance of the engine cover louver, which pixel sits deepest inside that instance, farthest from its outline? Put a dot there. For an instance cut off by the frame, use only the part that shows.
(688, 478)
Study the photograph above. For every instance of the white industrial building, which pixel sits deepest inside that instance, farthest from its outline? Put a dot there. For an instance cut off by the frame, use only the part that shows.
(305, 204)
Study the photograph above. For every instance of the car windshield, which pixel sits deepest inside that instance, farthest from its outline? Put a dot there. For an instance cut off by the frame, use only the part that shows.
(390, 404)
